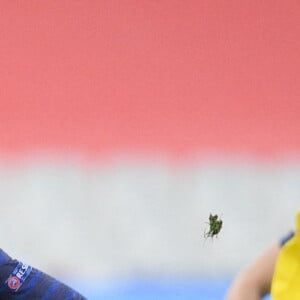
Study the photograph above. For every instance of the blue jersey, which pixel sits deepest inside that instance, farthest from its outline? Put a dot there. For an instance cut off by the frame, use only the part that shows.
(19, 281)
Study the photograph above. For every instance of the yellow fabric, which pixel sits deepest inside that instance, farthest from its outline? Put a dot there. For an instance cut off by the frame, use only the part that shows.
(286, 279)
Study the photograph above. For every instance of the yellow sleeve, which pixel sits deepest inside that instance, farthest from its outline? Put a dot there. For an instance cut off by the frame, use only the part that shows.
(286, 279)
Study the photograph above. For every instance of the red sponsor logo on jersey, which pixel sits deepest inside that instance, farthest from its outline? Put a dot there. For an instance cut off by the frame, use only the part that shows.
(18, 276)
(13, 282)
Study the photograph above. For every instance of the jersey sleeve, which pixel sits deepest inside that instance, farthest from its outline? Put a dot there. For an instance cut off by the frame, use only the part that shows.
(20, 281)
(286, 238)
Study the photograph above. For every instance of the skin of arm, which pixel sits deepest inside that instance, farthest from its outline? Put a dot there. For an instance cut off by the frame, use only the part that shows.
(255, 281)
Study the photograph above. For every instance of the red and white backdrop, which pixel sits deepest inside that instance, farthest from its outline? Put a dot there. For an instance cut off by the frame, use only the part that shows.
(123, 124)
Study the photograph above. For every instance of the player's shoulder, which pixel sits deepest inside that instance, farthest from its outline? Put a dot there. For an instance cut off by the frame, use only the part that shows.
(286, 238)
(19, 280)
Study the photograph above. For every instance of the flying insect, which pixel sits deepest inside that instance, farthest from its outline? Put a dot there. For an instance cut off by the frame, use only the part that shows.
(215, 226)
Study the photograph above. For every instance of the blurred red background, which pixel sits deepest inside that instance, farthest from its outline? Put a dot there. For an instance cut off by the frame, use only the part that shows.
(168, 77)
